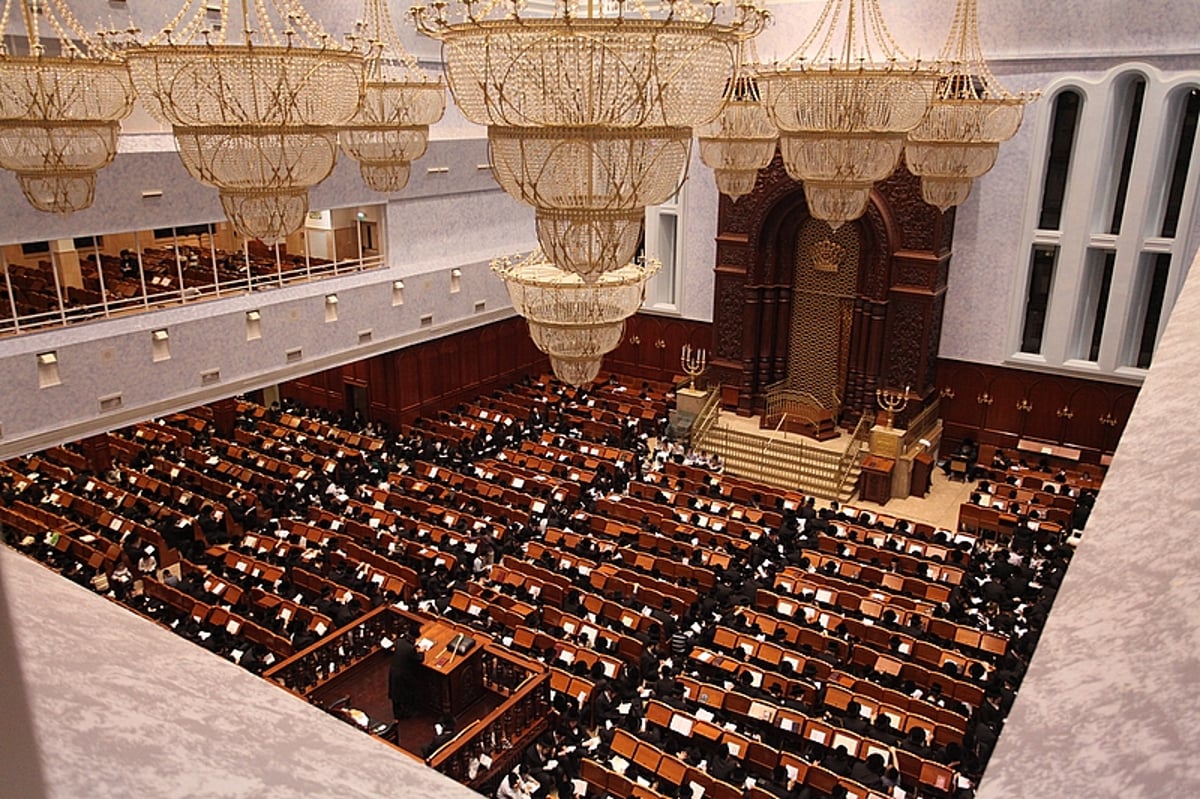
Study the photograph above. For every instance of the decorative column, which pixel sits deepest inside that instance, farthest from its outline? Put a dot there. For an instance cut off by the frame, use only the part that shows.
(66, 262)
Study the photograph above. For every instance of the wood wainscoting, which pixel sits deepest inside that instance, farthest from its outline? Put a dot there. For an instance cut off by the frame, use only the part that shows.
(419, 380)
(652, 344)
(1000, 406)
(399, 386)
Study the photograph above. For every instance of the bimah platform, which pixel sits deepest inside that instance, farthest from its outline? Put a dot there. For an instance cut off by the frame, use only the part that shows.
(688, 404)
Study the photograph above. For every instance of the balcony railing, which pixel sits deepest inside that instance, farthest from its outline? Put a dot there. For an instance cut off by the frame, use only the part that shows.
(37, 298)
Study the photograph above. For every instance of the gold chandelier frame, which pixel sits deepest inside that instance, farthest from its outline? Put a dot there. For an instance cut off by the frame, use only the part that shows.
(970, 114)
(575, 322)
(844, 103)
(400, 102)
(599, 87)
(59, 115)
(276, 98)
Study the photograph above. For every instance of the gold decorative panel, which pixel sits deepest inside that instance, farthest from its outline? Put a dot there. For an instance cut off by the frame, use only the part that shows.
(824, 285)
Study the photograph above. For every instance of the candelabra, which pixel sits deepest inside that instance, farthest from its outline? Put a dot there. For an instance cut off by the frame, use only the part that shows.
(693, 363)
(892, 402)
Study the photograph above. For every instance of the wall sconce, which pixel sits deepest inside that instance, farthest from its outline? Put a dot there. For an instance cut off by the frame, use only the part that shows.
(331, 304)
(660, 344)
(985, 399)
(455, 281)
(160, 345)
(47, 365)
(1065, 412)
(635, 339)
(1025, 406)
(397, 293)
(253, 325)
(946, 393)
(1108, 419)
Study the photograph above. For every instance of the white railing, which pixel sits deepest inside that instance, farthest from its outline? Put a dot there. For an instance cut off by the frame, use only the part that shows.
(154, 295)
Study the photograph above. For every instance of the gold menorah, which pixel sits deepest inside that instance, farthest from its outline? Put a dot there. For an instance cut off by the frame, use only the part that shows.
(892, 401)
(693, 363)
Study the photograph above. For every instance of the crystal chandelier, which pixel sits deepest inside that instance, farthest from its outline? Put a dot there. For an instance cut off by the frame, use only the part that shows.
(843, 114)
(256, 119)
(400, 102)
(590, 110)
(971, 113)
(574, 321)
(60, 107)
(742, 139)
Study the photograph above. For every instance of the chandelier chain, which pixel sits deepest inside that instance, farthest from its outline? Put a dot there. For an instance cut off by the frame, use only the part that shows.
(970, 115)
(863, 40)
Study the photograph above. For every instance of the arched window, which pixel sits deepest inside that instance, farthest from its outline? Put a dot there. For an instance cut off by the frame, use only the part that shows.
(1058, 160)
(1109, 216)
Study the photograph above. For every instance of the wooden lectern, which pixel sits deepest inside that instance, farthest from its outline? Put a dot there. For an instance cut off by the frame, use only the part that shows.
(452, 680)
(875, 482)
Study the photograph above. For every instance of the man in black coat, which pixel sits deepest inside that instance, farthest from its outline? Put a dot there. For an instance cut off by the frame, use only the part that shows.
(402, 678)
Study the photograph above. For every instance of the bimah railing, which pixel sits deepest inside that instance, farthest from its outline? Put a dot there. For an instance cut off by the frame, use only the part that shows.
(782, 399)
(487, 749)
(483, 750)
(309, 669)
(707, 417)
(860, 436)
(771, 439)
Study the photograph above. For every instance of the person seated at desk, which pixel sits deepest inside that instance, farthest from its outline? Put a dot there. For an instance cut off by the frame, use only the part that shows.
(838, 761)
(968, 453)
(541, 764)
(721, 764)
(869, 772)
(854, 720)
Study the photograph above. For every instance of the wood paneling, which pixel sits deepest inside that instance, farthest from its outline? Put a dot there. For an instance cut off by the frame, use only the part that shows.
(652, 344)
(898, 303)
(999, 405)
(426, 377)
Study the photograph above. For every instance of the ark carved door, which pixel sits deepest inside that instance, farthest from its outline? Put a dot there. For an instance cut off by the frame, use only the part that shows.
(832, 312)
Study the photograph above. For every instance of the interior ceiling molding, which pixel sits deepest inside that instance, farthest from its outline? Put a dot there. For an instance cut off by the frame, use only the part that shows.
(1107, 56)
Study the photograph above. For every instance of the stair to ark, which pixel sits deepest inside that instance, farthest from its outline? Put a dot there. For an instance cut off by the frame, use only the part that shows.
(806, 469)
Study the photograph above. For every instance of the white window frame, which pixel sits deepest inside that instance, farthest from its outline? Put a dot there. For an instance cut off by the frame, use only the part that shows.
(1087, 204)
(668, 280)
